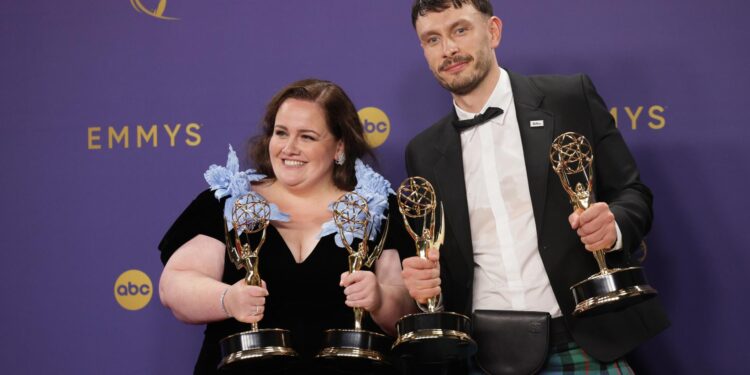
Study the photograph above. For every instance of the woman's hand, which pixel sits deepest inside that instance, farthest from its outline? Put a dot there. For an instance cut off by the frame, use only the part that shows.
(246, 303)
(362, 290)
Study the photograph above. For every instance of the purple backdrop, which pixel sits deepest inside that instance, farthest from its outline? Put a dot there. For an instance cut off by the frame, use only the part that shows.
(77, 212)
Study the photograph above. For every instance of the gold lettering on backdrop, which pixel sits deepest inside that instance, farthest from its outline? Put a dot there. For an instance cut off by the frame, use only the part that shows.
(655, 112)
(192, 131)
(122, 136)
(172, 133)
(145, 136)
(655, 119)
(94, 136)
(633, 116)
(613, 113)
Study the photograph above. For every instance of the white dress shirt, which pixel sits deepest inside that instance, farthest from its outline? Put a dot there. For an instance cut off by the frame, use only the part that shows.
(508, 270)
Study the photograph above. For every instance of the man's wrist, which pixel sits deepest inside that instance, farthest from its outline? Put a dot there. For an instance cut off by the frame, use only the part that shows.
(618, 241)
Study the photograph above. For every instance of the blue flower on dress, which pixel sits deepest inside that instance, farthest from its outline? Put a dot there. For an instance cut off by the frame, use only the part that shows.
(230, 181)
(374, 188)
(329, 227)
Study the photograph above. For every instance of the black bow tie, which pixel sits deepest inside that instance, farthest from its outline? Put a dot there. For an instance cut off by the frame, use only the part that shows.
(488, 115)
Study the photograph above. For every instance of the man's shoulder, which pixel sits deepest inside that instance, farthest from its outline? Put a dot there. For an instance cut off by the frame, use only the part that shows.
(552, 83)
(556, 78)
(434, 131)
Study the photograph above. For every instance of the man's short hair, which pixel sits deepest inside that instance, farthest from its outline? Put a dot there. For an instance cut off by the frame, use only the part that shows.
(422, 7)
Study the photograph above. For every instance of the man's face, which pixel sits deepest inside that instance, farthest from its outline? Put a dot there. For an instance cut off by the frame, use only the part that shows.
(459, 46)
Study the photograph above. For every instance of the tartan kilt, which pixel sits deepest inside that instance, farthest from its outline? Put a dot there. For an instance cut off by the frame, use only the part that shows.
(571, 360)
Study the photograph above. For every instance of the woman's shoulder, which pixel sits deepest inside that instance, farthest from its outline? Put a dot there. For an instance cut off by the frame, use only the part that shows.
(207, 198)
(202, 216)
(204, 205)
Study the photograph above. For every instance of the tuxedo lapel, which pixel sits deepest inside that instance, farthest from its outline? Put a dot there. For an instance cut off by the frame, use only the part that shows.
(537, 128)
(448, 170)
(449, 180)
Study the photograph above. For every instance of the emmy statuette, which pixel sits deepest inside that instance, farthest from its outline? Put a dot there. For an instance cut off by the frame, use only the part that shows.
(433, 336)
(356, 349)
(262, 350)
(610, 288)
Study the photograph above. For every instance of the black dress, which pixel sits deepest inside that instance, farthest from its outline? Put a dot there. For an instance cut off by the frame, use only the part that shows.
(304, 298)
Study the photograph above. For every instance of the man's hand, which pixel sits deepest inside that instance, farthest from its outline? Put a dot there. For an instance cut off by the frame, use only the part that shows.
(422, 276)
(595, 226)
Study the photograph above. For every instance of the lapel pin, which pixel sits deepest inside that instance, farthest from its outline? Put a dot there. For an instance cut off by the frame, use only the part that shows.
(537, 123)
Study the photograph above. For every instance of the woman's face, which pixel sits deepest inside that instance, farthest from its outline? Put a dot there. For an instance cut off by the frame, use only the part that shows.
(302, 149)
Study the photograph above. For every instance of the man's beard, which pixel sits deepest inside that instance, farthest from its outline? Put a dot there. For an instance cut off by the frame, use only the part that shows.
(463, 86)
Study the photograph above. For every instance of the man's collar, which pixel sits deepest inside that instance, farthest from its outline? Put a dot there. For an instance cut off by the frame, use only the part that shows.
(500, 96)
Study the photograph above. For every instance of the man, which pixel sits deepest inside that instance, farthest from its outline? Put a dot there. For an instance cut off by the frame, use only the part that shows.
(511, 242)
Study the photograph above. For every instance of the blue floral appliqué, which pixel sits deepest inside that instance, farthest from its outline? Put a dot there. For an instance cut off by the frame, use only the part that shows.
(230, 181)
(375, 189)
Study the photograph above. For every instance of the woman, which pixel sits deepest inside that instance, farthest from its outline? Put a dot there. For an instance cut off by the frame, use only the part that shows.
(309, 152)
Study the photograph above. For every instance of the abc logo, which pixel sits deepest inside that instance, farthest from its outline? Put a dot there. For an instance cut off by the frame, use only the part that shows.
(133, 290)
(376, 124)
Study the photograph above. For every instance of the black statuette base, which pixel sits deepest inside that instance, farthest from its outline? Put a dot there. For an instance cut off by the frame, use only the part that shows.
(354, 350)
(262, 351)
(438, 337)
(611, 290)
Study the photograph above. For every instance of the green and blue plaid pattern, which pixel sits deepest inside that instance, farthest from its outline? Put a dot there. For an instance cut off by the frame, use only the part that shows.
(572, 360)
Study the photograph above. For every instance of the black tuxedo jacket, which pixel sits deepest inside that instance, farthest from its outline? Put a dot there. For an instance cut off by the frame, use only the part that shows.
(563, 103)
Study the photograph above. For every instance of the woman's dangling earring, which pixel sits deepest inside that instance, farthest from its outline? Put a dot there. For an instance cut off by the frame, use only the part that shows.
(340, 159)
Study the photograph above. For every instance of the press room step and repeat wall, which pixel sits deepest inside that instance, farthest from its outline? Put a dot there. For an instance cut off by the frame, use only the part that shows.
(111, 111)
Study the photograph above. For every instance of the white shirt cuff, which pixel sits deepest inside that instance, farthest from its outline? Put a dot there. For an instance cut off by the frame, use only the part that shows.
(618, 243)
